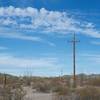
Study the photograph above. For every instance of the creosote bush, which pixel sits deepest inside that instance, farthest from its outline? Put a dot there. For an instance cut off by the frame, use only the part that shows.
(88, 93)
(62, 90)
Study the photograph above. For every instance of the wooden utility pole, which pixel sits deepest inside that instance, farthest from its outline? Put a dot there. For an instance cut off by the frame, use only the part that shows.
(74, 41)
(5, 80)
(4, 86)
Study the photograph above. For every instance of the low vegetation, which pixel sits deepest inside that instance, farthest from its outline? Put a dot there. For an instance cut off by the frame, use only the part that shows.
(88, 86)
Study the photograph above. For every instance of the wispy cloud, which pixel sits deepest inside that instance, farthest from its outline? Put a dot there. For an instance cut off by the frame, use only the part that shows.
(3, 48)
(95, 42)
(40, 62)
(6, 33)
(17, 35)
(93, 58)
(45, 21)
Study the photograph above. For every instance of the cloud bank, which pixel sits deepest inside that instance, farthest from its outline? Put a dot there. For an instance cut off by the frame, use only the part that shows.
(45, 21)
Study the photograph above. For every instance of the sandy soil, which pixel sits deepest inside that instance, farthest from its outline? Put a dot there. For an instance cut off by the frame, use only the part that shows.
(30, 95)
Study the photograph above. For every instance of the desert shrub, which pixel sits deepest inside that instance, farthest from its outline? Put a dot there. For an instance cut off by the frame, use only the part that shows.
(94, 82)
(62, 90)
(8, 93)
(43, 88)
(88, 93)
(5, 93)
(18, 94)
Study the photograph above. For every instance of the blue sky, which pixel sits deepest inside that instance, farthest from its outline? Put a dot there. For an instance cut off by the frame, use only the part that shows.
(34, 36)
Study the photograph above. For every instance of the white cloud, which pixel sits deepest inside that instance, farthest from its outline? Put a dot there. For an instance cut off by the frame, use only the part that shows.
(8, 60)
(45, 21)
(7, 21)
(12, 11)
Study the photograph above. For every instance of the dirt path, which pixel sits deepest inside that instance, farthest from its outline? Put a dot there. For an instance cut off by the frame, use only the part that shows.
(42, 96)
(30, 95)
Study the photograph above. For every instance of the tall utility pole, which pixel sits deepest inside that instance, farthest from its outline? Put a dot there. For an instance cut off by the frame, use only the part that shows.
(4, 86)
(4, 81)
(74, 41)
